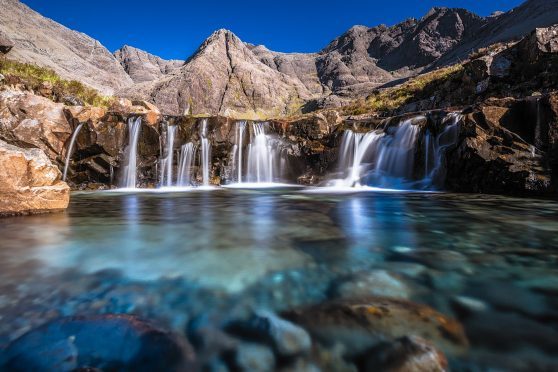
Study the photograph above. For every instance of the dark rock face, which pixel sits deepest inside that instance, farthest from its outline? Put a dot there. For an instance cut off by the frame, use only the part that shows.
(142, 66)
(107, 342)
(505, 148)
(6, 44)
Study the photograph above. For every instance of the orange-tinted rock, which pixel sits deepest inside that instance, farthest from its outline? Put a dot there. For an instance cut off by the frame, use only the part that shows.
(29, 182)
(360, 324)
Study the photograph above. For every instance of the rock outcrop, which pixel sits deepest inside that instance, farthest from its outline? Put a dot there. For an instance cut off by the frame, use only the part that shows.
(143, 66)
(28, 120)
(29, 182)
(71, 54)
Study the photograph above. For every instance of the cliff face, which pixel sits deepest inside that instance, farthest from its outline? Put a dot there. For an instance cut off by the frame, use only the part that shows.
(143, 66)
(73, 55)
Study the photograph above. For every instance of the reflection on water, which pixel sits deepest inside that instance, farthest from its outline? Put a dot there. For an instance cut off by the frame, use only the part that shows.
(168, 255)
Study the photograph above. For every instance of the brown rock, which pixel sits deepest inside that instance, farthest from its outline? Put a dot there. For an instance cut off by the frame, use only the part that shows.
(360, 324)
(408, 354)
(84, 114)
(35, 121)
(29, 182)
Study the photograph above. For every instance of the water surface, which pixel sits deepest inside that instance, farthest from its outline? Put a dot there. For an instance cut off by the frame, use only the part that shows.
(489, 261)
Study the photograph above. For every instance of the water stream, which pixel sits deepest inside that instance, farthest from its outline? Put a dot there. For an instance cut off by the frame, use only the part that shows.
(71, 150)
(129, 170)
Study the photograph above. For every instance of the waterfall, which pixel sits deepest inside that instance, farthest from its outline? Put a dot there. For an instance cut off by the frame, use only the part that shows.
(167, 161)
(387, 158)
(186, 162)
(129, 175)
(205, 153)
(435, 171)
(237, 149)
(71, 150)
(261, 160)
(396, 155)
(260, 156)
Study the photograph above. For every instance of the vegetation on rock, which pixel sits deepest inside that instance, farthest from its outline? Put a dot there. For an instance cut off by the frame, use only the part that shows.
(50, 84)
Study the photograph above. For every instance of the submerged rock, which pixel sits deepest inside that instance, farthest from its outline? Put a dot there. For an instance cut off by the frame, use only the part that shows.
(371, 283)
(286, 338)
(254, 358)
(407, 354)
(29, 182)
(107, 342)
(364, 323)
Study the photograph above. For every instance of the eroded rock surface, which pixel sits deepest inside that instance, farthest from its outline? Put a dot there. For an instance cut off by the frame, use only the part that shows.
(29, 182)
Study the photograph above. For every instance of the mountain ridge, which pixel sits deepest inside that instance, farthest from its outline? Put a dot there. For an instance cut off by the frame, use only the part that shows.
(226, 75)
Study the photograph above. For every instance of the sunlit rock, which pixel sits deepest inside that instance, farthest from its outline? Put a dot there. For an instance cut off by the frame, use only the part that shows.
(29, 182)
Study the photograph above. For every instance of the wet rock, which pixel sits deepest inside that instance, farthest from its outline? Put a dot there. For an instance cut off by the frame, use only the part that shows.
(29, 182)
(371, 283)
(364, 323)
(507, 331)
(254, 357)
(509, 297)
(437, 259)
(107, 342)
(465, 306)
(407, 354)
(286, 338)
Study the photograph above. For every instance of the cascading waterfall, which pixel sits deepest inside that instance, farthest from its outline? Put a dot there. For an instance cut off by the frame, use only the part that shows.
(167, 161)
(186, 162)
(129, 171)
(237, 149)
(71, 150)
(261, 160)
(260, 156)
(435, 150)
(205, 153)
(387, 158)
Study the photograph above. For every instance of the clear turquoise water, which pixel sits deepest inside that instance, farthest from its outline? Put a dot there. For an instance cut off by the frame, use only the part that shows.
(170, 256)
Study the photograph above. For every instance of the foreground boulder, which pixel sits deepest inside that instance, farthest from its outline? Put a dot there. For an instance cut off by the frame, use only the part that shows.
(107, 342)
(29, 182)
(362, 324)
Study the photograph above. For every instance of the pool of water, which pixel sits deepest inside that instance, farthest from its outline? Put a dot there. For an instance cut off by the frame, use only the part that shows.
(491, 262)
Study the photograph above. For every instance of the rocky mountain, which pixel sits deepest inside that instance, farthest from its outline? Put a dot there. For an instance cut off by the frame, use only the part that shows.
(223, 76)
(352, 65)
(143, 66)
(227, 76)
(73, 55)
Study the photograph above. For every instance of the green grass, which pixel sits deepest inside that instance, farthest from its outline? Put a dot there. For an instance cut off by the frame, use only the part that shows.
(33, 76)
(413, 89)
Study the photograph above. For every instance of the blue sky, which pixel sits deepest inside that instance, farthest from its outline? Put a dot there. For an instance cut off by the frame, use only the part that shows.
(174, 29)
